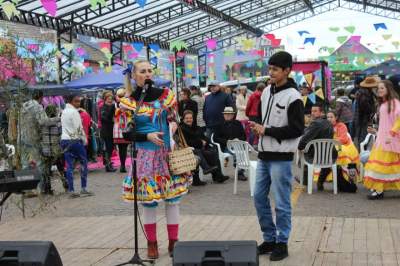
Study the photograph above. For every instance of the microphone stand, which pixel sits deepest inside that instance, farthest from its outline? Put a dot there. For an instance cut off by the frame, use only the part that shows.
(136, 260)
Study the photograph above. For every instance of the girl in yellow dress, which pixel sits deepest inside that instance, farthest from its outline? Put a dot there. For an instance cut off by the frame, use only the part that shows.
(382, 171)
(348, 157)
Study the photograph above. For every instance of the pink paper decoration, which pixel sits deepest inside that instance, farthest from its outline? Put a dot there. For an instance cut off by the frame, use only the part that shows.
(33, 47)
(80, 51)
(171, 58)
(211, 44)
(118, 61)
(133, 55)
(106, 45)
(276, 43)
(50, 6)
(181, 54)
(127, 48)
(355, 38)
(211, 55)
(86, 64)
(269, 36)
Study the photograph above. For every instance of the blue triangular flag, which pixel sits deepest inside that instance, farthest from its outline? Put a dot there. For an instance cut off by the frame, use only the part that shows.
(303, 32)
(380, 26)
(312, 98)
(250, 64)
(154, 47)
(154, 60)
(239, 52)
(138, 46)
(141, 3)
(309, 40)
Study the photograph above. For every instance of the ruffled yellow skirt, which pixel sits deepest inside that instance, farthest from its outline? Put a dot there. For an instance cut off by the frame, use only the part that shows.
(348, 154)
(382, 171)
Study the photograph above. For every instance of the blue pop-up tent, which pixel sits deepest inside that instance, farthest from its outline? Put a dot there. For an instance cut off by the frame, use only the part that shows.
(112, 79)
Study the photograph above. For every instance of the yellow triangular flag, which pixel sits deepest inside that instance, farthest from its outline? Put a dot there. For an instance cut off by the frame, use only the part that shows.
(9, 9)
(320, 94)
(58, 54)
(309, 78)
(190, 66)
(305, 100)
(68, 46)
(108, 69)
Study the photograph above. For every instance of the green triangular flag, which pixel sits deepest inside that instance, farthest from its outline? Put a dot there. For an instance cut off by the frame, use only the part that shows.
(334, 29)
(260, 64)
(350, 29)
(331, 50)
(341, 39)
(253, 79)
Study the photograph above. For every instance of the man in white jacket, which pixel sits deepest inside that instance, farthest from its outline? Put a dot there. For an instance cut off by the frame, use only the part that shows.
(73, 141)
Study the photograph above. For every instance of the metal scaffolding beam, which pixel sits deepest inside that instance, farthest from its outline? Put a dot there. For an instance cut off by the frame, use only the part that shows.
(309, 5)
(277, 18)
(222, 16)
(382, 8)
(62, 25)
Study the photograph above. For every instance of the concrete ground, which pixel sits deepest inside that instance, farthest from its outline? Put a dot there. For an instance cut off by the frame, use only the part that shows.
(212, 199)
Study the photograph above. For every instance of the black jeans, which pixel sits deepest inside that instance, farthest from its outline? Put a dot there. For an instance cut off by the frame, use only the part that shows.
(122, 151)
(109, 146)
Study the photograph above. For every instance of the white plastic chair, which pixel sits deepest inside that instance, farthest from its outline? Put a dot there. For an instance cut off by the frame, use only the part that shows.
(241, 150)
(221, 155)
(365, 146)
(323, 158)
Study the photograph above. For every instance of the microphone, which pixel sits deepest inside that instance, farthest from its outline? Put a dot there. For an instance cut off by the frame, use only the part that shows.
(148, 83)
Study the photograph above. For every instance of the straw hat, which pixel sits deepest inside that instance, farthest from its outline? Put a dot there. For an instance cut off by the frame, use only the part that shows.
(370, 82)
(229, 110)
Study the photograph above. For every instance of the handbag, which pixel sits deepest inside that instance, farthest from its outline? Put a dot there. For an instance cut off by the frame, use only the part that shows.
(181, 159)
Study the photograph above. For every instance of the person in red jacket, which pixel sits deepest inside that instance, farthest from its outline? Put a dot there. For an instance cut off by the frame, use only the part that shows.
(86, 122)
(252, 110)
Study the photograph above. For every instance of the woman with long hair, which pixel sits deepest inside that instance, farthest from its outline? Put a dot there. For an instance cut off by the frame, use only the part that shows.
(121, 119)
(154, 120)
(382, 171)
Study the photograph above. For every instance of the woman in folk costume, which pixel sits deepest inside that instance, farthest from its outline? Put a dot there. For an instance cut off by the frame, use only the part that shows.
(382, 171)
(154, 121)
(121, 119)
(348, 156)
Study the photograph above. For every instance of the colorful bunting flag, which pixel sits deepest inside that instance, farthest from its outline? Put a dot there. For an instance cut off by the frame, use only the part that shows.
(320, 94)
(275, 43)
(248, 44)
(141, 3)
(269, 36)
(302, 32)
(50, 6)
(350, 29)
(211, 44)
(378, 26)
(334, 29)
(108, 69)
(177, 45)
(305, 100)
(180, 54)
(9, 9)
(309, 79)
(229, 52)
(387, 36)
(309, 40)
(341, 39)
(133, 55)
(155, 47)
(68, 46)
(94, 3)
(138, 46)
(396, 44)
(312, 97)
(190, 66)
(80, 51)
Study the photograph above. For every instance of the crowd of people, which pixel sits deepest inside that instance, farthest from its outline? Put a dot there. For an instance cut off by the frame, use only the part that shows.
(271, 119)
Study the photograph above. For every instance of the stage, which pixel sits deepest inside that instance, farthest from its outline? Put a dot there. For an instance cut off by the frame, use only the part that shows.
(108, 240)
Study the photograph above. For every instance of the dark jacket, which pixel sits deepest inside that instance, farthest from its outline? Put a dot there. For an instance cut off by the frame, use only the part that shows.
(193, 136)
(229, 130)
(318, 129)
(188, 105)
(107, 121)
(214, 105)
(344, 109)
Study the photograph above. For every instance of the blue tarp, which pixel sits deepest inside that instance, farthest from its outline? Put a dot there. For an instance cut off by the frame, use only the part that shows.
(113, 79)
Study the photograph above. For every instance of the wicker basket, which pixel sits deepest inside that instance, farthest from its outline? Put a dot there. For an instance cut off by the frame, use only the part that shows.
(182, 159)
